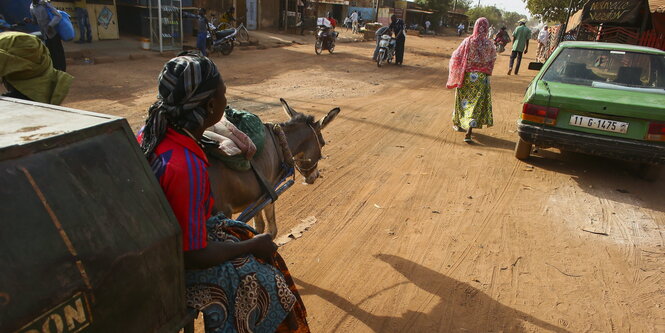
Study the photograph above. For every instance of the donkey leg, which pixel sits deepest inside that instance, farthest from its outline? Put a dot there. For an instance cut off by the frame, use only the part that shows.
(259, 223)
(269, 210)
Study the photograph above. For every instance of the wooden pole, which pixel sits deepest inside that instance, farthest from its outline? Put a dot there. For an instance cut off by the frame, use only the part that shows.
(564, 26)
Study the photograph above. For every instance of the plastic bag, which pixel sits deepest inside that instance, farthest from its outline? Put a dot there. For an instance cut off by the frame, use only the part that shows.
(65, 28)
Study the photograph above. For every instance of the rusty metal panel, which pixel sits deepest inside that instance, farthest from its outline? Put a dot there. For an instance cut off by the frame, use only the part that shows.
(88, 241)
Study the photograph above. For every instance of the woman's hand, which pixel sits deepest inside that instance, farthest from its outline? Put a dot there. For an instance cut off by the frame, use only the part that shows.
(263, 247)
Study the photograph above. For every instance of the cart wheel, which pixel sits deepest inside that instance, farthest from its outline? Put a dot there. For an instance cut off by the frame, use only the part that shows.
(522, 149)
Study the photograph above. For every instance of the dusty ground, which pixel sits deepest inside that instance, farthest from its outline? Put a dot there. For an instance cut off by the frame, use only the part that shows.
(419, 232)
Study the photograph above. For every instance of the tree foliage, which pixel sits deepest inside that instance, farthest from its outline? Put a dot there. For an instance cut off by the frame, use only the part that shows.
(496, 16)
(553, 10)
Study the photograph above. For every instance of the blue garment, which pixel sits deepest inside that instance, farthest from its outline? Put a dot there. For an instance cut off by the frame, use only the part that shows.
(242, 294)
(40, 14)
(84, 25)
(201, 42)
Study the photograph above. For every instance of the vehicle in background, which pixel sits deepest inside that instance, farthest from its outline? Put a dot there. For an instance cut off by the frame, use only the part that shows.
(325, 38)
(601, 99)
(386, 50)
(221, 41)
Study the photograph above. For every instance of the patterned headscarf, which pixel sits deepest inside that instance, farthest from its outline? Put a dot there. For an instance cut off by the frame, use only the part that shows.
(186, 84)
(476, 53)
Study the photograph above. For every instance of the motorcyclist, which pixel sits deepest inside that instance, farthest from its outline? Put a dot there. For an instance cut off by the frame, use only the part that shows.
(502, 36)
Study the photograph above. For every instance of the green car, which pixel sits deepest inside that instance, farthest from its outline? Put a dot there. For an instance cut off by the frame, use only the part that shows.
(598, 98)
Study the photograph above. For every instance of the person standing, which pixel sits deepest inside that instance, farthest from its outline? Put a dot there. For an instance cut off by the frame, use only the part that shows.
(81, 11)
(427, 24)
(47, 18)
(460, 29)
(521, 37)
(354, 22)
(490, 35)
(471, 66)
(347, 23)
(398, 29)
(201, 38)
(543, 44)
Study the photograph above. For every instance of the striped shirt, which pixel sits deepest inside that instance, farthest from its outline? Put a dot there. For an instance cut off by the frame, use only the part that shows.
(181, 167)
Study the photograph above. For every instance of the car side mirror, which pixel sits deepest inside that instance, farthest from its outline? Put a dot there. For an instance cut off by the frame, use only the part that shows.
(535, 66)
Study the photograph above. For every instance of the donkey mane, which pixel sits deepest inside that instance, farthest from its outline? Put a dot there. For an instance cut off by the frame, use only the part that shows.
(299, 118)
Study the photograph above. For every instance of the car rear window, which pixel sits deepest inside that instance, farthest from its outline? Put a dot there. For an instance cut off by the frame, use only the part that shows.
(609, 69)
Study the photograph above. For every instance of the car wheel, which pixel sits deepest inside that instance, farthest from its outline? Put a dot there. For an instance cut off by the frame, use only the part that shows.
(650, 172)
(522, 149)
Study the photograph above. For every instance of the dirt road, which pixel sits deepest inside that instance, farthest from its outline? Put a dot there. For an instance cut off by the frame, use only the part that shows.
(419, 232)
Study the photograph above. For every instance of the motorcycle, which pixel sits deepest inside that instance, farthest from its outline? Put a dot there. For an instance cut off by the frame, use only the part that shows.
(221, 41)
(500, 46)
(325, 40)
(386, 50)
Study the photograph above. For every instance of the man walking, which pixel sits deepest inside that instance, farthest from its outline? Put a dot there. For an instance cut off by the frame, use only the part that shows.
(81, 11)
(39, 10)
(397, 27)
(354, 22)
(521, 37)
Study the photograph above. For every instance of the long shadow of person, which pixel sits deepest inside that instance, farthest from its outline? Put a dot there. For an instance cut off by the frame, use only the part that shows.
(462, 308)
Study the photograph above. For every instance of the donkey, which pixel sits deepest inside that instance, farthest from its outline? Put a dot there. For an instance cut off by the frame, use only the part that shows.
(236, 190)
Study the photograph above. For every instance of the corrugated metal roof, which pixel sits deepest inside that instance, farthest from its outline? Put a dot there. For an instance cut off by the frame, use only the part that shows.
(657, 6)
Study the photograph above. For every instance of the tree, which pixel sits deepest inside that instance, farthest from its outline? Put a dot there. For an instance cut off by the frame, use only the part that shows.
(510, 19)
(496, 16)
(491, 13)
(552, 10)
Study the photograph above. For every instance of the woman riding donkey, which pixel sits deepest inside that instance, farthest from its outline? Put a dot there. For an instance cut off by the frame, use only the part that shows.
(234, 276)
(471, 66)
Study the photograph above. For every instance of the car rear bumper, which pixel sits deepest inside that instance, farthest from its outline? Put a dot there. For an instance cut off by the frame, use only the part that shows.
(593, 144)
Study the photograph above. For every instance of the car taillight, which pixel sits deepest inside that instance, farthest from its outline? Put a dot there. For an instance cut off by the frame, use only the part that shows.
(656, 132)
(539, 114)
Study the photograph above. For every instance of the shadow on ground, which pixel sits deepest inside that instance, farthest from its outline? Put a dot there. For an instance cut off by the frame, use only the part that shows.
(604, 178)
(461, 307)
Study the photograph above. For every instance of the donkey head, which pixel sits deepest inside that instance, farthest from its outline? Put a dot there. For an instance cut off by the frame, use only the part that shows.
(303, 134)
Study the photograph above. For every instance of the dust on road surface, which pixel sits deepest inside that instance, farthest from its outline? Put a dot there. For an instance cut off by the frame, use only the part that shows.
(418, 231)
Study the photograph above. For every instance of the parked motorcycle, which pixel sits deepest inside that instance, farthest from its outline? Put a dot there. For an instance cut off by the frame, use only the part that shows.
(221, 41)
(325, 39)
(386, 50)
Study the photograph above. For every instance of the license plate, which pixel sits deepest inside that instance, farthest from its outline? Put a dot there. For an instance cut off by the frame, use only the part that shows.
(599, 124)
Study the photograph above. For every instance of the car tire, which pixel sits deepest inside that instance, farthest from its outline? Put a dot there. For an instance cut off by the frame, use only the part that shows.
(650, 172)
(522, 149)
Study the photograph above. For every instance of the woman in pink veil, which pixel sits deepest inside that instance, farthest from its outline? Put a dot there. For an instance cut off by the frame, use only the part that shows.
(471, 66)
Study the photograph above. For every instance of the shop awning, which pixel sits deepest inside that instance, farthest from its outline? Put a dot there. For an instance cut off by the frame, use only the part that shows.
(418, 11)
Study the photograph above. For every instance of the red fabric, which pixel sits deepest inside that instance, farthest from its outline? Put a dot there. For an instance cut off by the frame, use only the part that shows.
(181, 167)
(477, 53)
(333, 22)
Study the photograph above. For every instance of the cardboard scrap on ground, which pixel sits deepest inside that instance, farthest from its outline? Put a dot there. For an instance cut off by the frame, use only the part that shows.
(297, 231)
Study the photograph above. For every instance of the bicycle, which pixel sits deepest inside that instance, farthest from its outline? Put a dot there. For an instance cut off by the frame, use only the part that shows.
(242, 35)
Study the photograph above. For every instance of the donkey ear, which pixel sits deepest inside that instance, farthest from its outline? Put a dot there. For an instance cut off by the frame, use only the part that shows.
(289, 111)
(328, 118)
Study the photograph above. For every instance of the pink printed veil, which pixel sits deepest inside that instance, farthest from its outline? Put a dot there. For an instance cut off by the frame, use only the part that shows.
(477, 53)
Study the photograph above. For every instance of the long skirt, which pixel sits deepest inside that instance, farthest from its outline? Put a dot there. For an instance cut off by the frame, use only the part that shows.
(244, 294)
(473, 102)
